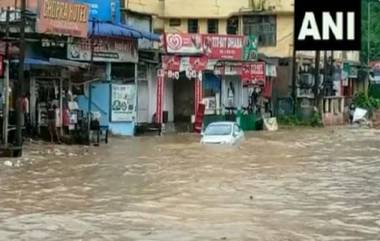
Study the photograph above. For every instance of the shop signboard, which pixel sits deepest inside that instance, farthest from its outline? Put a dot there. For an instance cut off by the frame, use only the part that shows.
(61, 17)
(192, 66)
(105, 50)
(171, 65)
(100, 10)
(198, 64)
(160, 95)
(179, 43)
(231, 69)
(250, 48)
(171, 62)
(123, 103)
(223, 47)
(253, 73)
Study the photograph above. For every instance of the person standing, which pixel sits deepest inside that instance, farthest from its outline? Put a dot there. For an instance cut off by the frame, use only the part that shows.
(52, 122)
(231, 95)
(24, 103)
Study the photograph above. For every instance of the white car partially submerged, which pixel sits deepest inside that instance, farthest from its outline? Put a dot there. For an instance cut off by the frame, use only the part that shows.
(222, 133)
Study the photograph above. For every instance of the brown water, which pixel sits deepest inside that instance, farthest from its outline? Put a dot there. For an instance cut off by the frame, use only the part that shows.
(285, 186)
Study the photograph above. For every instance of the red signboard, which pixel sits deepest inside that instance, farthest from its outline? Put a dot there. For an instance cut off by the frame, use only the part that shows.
(219, 47)
(171, 62)
(198, 63)
(160, 95)
(228, 47)
(253, 73)
(179, 43)
(62, 17)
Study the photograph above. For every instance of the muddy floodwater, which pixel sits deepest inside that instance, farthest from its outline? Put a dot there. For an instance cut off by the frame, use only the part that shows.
(291, 185)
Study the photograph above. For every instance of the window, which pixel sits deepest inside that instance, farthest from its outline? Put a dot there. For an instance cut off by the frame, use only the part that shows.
(218, 130)
(232, 26)
(175, 22)
(236, 129)
(192, 26)
(264, 27)
(212, 26)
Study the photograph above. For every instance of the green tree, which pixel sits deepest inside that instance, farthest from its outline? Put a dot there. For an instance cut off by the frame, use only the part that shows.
(374, 36)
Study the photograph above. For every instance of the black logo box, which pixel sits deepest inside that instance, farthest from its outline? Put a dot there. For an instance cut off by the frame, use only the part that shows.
(331, 6)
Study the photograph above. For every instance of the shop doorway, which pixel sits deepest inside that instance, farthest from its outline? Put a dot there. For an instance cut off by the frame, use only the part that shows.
(183, 96)
(143, 102)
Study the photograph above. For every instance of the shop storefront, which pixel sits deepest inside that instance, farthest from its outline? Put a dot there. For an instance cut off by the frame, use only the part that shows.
(111, 94)
(209, 70)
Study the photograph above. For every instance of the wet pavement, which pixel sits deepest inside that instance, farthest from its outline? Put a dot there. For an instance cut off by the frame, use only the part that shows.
(292, 185)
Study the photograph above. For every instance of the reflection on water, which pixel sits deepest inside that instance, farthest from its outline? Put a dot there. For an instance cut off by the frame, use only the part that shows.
(288, 185)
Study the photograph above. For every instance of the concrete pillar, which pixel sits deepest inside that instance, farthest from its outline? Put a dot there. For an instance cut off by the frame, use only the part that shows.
(108, 71)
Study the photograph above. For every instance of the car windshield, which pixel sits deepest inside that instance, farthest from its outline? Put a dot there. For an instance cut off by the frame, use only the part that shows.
(218, 130)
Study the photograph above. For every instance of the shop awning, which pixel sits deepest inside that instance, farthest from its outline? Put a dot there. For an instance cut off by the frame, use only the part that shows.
(68, 63)
(32, 61)
(147, 35)
(106, 29)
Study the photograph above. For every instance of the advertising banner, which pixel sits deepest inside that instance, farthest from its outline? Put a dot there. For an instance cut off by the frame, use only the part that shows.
(253, 73)
(61, 17)
(198, 63)
(178, 43)
(171, 62)
(250, 48)
(123, 103)
(105, 50)
(100, 10)
(227, 47)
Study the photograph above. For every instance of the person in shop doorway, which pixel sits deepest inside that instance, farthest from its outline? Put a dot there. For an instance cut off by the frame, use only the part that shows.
(231, 95)
(24, 101)
(52, 122)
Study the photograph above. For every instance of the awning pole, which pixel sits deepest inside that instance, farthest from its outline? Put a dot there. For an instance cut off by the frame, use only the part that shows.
(6, 104)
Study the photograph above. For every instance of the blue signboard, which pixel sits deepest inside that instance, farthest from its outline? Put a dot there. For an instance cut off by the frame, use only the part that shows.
(103, 10)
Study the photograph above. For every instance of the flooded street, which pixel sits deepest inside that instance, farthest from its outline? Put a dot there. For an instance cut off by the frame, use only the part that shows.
(292, 185)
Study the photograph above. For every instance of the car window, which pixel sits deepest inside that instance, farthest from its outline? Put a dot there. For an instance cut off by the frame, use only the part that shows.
(236, 129)
(218, 130)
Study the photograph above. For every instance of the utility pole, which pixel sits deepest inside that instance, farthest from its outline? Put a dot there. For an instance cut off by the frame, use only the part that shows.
(92, 42)
(316, 79)
(294, 80)
(6, 83)
(21, 77)
(294, 69)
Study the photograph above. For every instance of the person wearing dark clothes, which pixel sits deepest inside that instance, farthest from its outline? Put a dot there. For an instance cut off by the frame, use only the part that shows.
(51, 116)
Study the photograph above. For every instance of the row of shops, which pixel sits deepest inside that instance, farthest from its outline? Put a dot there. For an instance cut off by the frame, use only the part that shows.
(212, 70)
(87, 67)
(96, 67)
